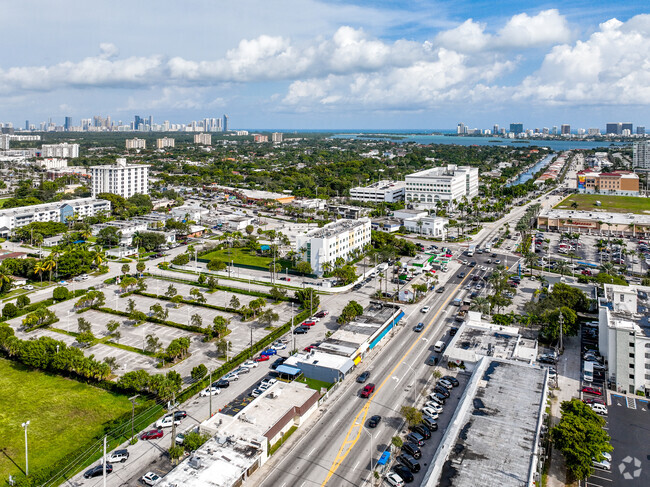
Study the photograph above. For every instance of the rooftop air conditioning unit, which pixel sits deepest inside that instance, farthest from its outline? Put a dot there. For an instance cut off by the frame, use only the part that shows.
(195, 462)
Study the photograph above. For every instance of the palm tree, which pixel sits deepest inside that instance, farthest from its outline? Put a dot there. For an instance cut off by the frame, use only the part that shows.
(607, 267)
(530, 259)
(562, 266)
(39, 268)
(481, 305)
(49, 265)
(98, 257)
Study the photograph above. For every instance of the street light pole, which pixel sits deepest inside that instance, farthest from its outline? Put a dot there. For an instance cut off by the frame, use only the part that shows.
(132, 399)
(25, 425)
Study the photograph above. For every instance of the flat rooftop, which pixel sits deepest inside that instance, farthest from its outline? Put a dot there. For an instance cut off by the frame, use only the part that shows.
(334, 228)
(597, 216)
(493, 433)
(476, 339)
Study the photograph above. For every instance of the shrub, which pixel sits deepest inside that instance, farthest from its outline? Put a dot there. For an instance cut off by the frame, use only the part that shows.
(60, 293)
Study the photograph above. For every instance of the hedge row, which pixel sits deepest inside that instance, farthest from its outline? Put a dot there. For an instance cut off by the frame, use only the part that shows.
(153, 319)
(46, 302)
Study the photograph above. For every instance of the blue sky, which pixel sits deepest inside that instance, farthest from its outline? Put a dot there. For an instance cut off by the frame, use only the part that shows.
(325, 65)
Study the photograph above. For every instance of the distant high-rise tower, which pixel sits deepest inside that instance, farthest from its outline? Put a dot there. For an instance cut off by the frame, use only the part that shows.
(26, 124)
(626, 126)
(139, 122)
(640, 130)
(565, 129)
(460, 128)
(517, 128)
(641, 155)
(614, 129)
(150, 122)
(67, 124)
(225, 123)
(495, 129)
(554, 130)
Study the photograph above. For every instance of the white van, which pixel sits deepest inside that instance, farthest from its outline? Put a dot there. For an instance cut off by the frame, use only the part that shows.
(439, 346)
(599, 408)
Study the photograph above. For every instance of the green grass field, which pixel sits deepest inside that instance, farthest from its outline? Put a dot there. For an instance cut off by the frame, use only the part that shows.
(63, 415)
(616, 204)
(245, 257)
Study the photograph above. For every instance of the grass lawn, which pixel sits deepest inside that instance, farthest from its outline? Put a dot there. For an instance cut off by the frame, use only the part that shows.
(245, 257)
(63, 414)
(616, 204)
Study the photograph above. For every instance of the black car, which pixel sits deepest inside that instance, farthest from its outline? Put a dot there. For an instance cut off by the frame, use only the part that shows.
(419, 327)
(180, 415)
(300, 330)
(452, 379)
(423, 430)
(415, 438)
(374, 421)
(412, 449)
(98, 471)
(221, 383)
(441, 289)
(472, 264)
(403, 472)
(453, 330)
(410, 462)
(432, 360)
(441, 390)
(278, 361)
(363, 376)
(461, 275)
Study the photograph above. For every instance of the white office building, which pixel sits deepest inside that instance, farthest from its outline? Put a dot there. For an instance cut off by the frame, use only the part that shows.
(53, 163)
(624, 336)
(449, 183)
(60, 150)
(380, 192)
(4, 141)
(62, 211)
(334, 240)
(641, 155)
(433, 226)
(136, 143)
(120, 178)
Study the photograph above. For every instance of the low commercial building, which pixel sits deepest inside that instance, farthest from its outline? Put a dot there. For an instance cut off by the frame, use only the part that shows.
(252, 194)
(341, 239)
(53, 212)
(623, 183)
(433, 226)
(594, 222)
(190, 212)
(380, 192)
(323, 366)
(624, 337)
(347, 211)
(127, 228)
(476, 339)
(449, 183)
(494, 436)
(241, 441)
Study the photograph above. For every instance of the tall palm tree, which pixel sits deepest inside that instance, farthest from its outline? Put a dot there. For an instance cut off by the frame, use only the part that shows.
(530, 259)
(49, 265)
(39, 268)
(562, 266)
(481, 304)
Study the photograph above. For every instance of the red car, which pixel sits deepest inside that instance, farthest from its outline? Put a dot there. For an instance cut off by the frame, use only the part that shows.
(309, 348)
(369, 389)
(322, 314)
(592, 390)
(309, 323)
(594, 401)
(586, 272)
(151, 435)
(262, 358)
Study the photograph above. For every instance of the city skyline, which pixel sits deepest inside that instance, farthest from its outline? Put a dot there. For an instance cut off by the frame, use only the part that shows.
(337, 65)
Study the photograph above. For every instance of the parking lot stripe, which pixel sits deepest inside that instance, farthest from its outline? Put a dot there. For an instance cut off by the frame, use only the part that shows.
(631, 402)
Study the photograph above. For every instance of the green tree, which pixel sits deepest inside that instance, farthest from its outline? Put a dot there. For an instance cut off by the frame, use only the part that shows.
(307, 298)
(109, 237)
(234, 302)
(153, 344)
(83, 325)
(60, 293)
(580, 437)
(157, 311)
(112, 326)
(22, 301)
(9, 311)
(412, 415)
(126, 268)
(350, 312)
(196, 320)
(268, 317)
(304, 267)
(216, 265)
(277, 293)
(171, 291)
(213, 283)
(199, 372)
(140, 267)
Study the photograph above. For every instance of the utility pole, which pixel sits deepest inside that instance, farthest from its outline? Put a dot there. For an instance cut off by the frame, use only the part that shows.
(210, 393)
(104, 462)
(25, 425)
(561, 321)
(132, 399)
(293, 329)
(174, 419)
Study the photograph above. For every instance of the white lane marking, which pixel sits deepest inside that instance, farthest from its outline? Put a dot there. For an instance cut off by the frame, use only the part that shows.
(355, 466)
(312, 451)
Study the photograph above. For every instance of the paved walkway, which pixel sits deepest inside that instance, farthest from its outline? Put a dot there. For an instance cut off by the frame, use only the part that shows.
(568, 370)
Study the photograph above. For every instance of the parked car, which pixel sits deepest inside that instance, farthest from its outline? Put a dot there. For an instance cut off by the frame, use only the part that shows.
(412, 449)
(594, 400)
(232, 376)
(210, 391)
(430, 412)
(221, 383)
(430, 423)
(409, 462)
(308, 323)
(393, 479)
(299, 330)
(152, 434)
(419, 327)
(446, 384)
(269, 352)
(442, 391)
(279, 346)
(368, 390)
(439, 398)
(250, 364)
(416, 438)
(363, 376)
(434, 405)
(452, 379)
(257, 392)
(118, 456)
(403, 472)
(423, 430)
(262, 358)
(599, 408)
(432, 360)
(279, 361)
(98, 471)
(602, 464)
(268, 382)
(167, 421)
(374, 421)
(150, 478)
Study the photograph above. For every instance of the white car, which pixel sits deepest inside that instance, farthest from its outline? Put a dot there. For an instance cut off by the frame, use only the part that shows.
(250, 364)
(395, 480)
(279, 346)
(315, 319)
(168, 421)
(432, 413)
(257, 392)
(434, 405)
(28, 287)
(602, 464)
(268, 382)
(151, 478)
(210, 391)
(231, 376)
(425, 309)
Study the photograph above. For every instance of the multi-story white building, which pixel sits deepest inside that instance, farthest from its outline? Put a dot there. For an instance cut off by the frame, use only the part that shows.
(136, 143)
(276, 137)
(4, 141)
(380, 192)
(61, 211)
(624, 336)
(165, 142)
(63, 150)
(53, 163)
(120, 178)
(334, 240)
(205, 139)
(641, 155)
(433, 226)
(441, 184)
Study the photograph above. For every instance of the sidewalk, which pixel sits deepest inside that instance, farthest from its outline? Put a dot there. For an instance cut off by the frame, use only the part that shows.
(568, 370)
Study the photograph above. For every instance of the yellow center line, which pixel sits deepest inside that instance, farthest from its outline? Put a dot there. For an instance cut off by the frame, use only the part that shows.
(349, 442)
